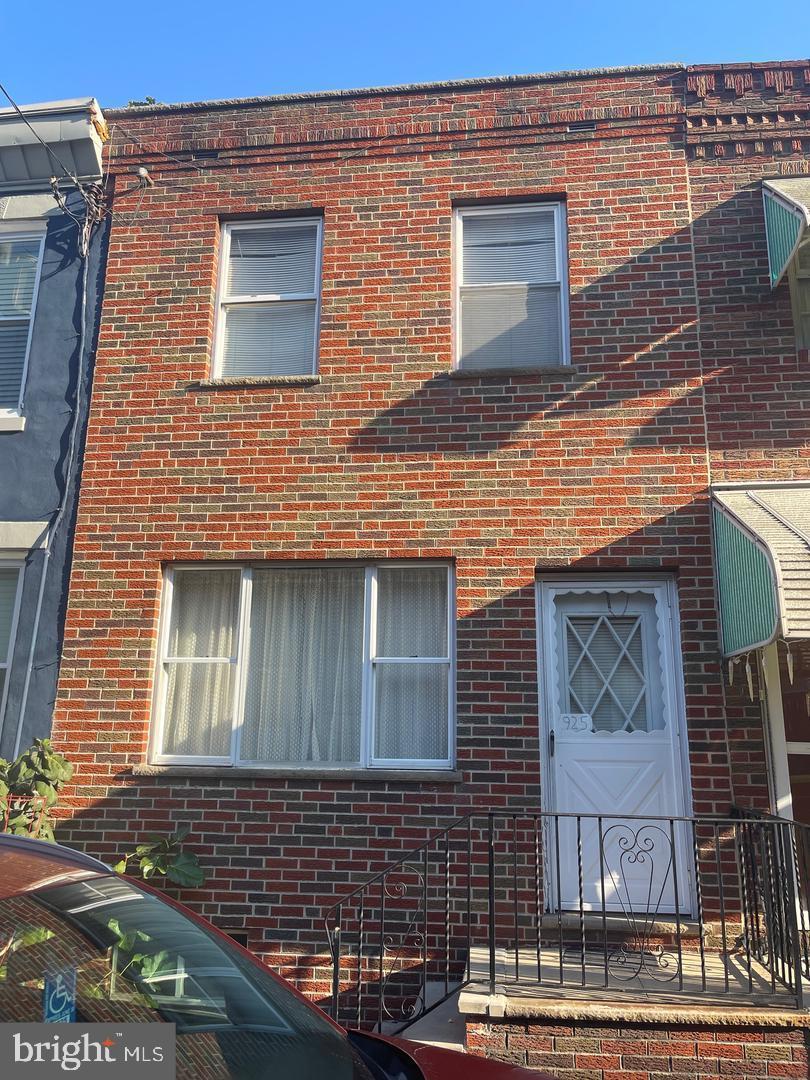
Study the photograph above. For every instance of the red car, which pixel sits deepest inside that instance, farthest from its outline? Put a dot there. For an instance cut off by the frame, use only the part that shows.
(123, 953)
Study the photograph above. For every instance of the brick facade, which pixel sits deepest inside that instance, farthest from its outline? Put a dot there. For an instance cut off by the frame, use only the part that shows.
(604, 466)
(588, 1050)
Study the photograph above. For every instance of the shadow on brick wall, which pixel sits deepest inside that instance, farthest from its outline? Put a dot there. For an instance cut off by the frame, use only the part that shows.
(636, 366)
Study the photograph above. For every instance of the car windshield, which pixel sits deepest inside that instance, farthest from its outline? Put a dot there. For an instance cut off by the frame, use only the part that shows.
(116, 953)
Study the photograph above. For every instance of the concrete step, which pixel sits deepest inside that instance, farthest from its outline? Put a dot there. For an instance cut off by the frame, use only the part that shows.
(443, 1026)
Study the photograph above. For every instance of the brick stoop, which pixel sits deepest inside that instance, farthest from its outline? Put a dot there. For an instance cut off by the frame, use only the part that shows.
(619, 1048)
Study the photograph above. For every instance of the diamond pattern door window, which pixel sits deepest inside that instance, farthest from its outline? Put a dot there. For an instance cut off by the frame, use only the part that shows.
(606, 671)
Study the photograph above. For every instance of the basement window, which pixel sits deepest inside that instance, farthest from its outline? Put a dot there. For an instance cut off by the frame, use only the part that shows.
(511, 287)
(269, 299)
(307, 666)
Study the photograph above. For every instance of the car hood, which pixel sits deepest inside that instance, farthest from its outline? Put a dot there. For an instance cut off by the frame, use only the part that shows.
(436, 1063)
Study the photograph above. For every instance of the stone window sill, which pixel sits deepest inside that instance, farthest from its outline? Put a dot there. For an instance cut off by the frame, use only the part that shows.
(12, 423)
(369, 776)
(515, 372)
(236, 383)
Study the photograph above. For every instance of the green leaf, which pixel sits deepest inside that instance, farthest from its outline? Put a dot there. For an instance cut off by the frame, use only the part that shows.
(185, 870)
(150, 965)
(121, 866)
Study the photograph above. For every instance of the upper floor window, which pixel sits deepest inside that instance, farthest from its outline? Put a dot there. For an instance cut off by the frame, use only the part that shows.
(799, 279)
(269, 298)
(20, 263)
(345, 665)
(511, 303)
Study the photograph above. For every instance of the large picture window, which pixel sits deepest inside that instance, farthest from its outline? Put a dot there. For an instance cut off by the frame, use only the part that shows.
(511, 304)
(347, 665)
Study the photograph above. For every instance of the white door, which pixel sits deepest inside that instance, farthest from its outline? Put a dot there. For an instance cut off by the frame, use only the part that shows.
(612, 736)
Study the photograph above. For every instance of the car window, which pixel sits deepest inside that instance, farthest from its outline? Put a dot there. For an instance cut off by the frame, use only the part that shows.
(105, 950)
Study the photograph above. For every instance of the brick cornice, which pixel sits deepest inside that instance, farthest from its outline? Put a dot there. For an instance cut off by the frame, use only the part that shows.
(724, 82)
(608, 121)
(742, 110)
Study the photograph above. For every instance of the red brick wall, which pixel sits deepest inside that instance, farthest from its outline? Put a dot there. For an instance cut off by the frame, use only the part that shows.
(604, 466)
(587, 1050)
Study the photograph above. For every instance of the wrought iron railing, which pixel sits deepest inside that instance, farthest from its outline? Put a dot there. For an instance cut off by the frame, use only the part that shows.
(776, 863)
(704, 907)
(401, 943)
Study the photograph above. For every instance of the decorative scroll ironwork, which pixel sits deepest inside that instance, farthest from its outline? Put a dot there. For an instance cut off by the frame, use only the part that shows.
(637, 848)
(396, 887)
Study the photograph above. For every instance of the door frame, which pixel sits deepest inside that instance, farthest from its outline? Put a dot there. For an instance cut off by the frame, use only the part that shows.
(664, 588)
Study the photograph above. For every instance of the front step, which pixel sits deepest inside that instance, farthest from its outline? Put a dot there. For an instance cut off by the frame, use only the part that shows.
(443, 1026)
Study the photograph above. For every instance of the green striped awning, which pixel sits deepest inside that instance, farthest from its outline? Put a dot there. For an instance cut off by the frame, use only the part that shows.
(787, 221)
(762, 563)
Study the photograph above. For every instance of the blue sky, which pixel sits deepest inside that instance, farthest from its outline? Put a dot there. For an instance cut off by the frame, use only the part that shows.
(179, 50)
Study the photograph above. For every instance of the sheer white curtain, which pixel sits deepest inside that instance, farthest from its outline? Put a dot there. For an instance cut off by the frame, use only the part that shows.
(199, 695)
(305, 669)
(411, 699)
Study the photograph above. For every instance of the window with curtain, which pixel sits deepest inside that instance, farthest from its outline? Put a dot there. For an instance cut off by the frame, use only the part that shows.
(20, 258)
(307, 666)
(511, 296)
(9, 587)
(269, 297)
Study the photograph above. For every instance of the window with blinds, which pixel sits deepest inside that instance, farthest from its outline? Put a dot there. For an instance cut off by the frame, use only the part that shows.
(269, 298)
(20, 259)
(346, 665)
(511, 297)
(9, 590)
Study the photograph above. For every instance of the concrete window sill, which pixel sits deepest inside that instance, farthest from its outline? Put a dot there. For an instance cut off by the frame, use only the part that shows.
(368, 776)
(515, 372)
(12, 423)
(259, 381)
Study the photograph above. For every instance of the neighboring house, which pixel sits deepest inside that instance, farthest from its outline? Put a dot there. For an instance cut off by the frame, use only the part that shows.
(397, 507)
(49, 298)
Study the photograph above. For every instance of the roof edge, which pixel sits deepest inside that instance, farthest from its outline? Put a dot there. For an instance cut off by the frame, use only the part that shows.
(52, 108)
(402, 88)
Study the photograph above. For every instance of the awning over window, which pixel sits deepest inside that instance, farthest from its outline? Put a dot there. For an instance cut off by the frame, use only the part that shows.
(787, 221)
(762, 556)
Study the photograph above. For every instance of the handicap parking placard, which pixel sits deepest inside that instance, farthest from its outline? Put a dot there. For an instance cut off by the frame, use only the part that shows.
(59, 997)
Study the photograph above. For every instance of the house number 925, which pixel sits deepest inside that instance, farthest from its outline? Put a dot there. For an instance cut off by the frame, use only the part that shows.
(576, 722)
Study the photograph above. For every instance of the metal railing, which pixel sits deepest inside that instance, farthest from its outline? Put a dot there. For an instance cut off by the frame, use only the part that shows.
(698, 907)
(401, 943)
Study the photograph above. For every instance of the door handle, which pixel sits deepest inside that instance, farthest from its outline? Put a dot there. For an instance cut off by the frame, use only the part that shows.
(551, 738)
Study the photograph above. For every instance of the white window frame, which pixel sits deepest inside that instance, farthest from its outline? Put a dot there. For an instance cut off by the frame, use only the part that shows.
(370, 662)
(561, 281)
(28, 233)
(224, 300)
(7, 661)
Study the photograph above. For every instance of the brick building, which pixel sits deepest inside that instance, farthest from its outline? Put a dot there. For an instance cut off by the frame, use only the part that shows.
(403, 396)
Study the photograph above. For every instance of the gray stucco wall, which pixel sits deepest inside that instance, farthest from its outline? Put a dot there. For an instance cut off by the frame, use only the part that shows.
(34, 462)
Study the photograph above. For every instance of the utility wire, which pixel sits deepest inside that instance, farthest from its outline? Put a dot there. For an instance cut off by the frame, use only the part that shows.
(187, 164)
